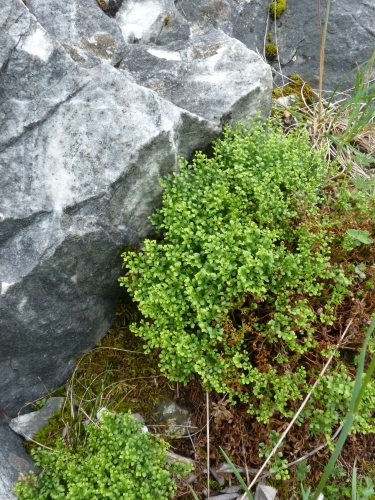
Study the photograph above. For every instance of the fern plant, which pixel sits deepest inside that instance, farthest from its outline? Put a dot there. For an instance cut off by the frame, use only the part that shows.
(244, 275)
(119, 461)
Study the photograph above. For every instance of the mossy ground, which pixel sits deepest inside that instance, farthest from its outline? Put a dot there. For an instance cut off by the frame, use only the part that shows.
(133, 382)
(116, 374)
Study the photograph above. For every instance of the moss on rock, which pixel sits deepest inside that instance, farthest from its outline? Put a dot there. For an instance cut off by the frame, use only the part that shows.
(271, 51)
(277, 7)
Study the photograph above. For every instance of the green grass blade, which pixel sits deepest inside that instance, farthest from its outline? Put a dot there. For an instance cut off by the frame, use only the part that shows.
(354, 481)
(363, 68)
(366, 380)
(359, 385)
(305, 493)
(193, 493)
(336, 452)
(237, 474)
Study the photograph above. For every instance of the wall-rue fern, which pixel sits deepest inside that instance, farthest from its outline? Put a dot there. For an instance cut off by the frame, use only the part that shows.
(243, 279)
(118, 462)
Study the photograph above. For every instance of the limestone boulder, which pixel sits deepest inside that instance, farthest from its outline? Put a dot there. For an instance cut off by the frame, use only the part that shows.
(80, 26)
(81, 151)
(14, 461)
(196, 75)
(350, 38)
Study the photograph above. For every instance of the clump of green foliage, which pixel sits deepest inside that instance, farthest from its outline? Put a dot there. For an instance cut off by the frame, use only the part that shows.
(271, 50)
(297, 87)
(277, 7)
(119, 461)
(244, 280)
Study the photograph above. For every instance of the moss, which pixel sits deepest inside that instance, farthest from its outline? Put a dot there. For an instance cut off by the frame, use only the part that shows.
(297, 87)
(271, 51)
(116, 374)
(278, 7)
(48, 434)
(118, 371)
(270, 37)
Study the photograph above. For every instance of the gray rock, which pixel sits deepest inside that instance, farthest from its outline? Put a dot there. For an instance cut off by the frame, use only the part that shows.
(28, 425)
(264, 492)
(173, 419)
(232, 489)
(220, 479)
(138, 417)
(350, 39)
(225, 496)
(225, 468)
(152, 22)
(82, 28)
(81, 152)
(13, 461)
(197, 75)
(80, 158)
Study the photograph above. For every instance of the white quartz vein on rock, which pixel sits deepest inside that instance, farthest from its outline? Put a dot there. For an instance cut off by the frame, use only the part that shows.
(135, 18)
(38, 44)
(164, 54)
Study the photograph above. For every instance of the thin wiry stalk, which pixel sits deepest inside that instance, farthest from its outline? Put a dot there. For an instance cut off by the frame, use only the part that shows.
(277, 45)
(300, 409)
(265, 39)
(322, 52)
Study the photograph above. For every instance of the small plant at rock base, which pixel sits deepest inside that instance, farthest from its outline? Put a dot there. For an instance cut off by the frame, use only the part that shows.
(119, 461)
(278, 466)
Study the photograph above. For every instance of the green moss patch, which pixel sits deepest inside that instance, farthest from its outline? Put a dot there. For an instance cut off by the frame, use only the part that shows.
(277, 8)
(271, 51)
(297, 87)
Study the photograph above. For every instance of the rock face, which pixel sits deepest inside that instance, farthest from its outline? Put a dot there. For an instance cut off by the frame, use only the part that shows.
(196, 75)
(85, 33)
(84, 138)
(28, 425)
(350, 38)
(13, 461)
